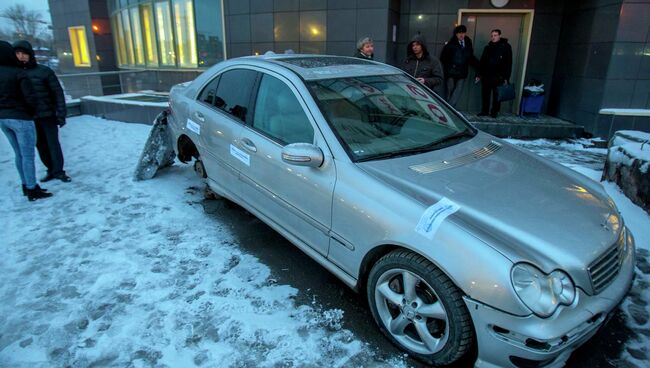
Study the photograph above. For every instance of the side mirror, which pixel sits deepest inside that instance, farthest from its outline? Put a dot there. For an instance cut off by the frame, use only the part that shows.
(303, 154)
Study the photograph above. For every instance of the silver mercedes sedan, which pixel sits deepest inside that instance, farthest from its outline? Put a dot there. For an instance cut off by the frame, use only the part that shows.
(458, 239)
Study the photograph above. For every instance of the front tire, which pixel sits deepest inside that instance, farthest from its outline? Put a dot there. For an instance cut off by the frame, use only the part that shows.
(419, 308)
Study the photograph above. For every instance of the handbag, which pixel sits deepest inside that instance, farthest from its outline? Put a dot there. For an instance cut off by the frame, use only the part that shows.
(505, 92)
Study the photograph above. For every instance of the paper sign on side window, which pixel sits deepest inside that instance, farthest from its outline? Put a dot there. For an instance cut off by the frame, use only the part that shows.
(434, 216)
(240, 155)
(193, 126)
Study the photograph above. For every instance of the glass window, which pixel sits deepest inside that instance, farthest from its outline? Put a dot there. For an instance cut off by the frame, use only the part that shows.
(210, 92)
(165, 36)
(279, 115)
(234, 92)
(387, 116)
(138, 46)
(149, 35)
(79, 46)
(185, 37)
(313, 26)
(209, 31)
(119, 39)
(128, 41)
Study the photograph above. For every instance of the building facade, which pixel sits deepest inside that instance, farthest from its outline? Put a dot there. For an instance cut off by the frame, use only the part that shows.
(590, 54)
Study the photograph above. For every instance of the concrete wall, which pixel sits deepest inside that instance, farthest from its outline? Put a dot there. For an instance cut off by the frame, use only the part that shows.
(586, 43)
(68, 13)
(544, 43)
(257, 26)
(603, 62)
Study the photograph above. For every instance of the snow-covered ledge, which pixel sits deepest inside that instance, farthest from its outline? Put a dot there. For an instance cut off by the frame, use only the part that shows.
(625, 112)
(628, 161)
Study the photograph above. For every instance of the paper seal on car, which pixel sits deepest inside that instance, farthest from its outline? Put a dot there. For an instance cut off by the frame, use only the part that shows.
(434, 216)
(193, 126)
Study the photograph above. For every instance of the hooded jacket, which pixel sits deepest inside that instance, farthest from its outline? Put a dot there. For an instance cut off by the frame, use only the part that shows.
(496, 61)
(46, 85)
(16, 92)
(427, 67)
(456, 60)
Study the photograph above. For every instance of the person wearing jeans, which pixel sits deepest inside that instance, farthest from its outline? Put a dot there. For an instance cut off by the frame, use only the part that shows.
(50, 94)
(18, 105)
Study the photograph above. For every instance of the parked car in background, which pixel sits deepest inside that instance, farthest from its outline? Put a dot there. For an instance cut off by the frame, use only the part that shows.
(457, 238)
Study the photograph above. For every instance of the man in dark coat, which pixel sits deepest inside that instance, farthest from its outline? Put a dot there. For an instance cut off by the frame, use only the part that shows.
(48, 90)
(456, 57)
(18, 104)
(422, 66)
(495, 70)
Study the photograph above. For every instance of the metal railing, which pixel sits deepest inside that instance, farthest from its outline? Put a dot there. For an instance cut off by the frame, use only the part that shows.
(122, 81)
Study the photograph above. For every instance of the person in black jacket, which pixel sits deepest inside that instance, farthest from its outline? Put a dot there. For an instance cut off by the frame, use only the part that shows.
(424, 67)
(456, 57)
(49, 92)
(18, 104)
(495, 70)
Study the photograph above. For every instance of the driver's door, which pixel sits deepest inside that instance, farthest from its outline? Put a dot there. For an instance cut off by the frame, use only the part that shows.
(296, 198)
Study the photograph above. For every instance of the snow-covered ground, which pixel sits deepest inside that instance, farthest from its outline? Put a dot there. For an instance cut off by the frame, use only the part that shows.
(112, 272)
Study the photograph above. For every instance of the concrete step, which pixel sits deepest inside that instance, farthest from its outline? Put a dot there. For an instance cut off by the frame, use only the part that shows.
(532, 127)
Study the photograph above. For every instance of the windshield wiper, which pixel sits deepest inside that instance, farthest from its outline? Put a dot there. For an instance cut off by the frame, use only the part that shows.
(452, 137)
(421, 149)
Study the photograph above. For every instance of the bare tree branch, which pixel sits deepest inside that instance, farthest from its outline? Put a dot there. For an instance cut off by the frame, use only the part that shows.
(28, 24)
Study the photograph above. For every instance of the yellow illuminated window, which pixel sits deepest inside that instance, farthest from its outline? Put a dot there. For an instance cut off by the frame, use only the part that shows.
(138, 47)
(79, 46)
(119, 40)
(165, 36)
(149, 34)
(185, 33)
(128, 41)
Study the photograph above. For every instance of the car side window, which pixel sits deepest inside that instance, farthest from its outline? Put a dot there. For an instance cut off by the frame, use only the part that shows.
(210, 92)
(279, 115)
(231, 93)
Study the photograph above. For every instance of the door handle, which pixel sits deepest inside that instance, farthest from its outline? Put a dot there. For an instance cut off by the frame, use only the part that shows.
(248, 145)
(199, 117)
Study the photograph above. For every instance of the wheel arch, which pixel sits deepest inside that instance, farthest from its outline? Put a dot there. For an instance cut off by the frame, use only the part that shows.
(381, 250)
(186, 149)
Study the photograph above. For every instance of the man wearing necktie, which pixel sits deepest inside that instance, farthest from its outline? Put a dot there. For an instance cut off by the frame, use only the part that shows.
(457, 55)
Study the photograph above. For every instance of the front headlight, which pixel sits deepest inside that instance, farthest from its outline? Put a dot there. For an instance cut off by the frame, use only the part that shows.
(540, 292)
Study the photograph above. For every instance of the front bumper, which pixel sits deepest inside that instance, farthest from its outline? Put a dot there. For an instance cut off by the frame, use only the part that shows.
(505, 340)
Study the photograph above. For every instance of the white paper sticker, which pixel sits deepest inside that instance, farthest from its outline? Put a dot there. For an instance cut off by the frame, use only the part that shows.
(193, 126)
(434, 216)
(240, 155)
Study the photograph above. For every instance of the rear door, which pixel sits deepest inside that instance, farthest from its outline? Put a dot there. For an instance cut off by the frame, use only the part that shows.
(298, 199)
(222, 108)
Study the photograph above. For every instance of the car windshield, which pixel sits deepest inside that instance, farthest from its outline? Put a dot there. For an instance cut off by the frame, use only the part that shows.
(387, 116)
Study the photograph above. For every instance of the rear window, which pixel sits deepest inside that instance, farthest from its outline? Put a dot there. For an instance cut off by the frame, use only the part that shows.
(231, 92)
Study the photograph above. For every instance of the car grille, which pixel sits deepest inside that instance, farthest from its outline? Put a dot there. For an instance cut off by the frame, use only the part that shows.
(605, 268)
(480, 153)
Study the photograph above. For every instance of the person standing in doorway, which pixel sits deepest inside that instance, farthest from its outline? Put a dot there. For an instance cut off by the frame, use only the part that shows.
(494, 70)
(422, 66)
(365, 49)
(48, 90)
(18, 104)
(456, 57)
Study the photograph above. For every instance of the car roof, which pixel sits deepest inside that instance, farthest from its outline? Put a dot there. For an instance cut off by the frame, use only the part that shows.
(314, 67)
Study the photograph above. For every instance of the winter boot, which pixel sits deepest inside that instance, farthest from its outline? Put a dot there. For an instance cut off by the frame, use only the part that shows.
(37, 187)
(37, 193)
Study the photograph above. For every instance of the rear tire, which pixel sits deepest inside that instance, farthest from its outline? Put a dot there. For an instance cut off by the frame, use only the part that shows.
(419, 308)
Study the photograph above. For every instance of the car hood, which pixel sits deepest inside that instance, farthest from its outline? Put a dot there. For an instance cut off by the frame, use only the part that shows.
(526, 207)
